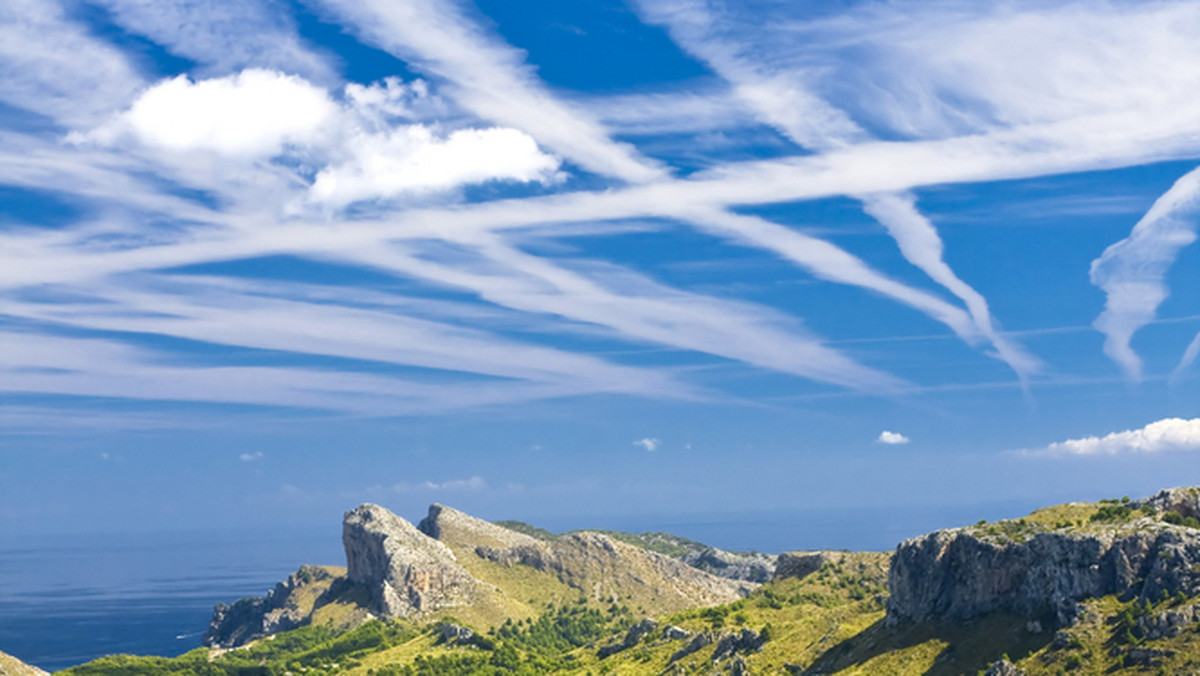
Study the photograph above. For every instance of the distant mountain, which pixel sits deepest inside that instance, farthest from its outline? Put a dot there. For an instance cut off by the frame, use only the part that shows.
(1094, 588)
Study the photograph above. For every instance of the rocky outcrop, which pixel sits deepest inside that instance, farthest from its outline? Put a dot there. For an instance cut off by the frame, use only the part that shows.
(1183, 501)
(674, 633)
(800, 564)
(455, 528)
(745, 641)
(11, 666)
(288, 606)
(749, 567)
(636, 633)
(1003, 668)
(406, 573)
(698, 643)
(959, 574)
(1169, 623)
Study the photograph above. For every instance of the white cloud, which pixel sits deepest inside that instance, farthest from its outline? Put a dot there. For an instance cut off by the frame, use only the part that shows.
(892, 438)
(491, 79)
(1189, 357)
(1170, 434)
(56, 67)
(781, 97)
(413, 160)
(1132, 272)
(250, 457)
(649, 443)
(474, 483)
(254, 113)
(223, 35)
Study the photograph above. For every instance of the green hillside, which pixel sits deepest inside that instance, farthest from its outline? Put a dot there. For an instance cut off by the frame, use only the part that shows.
(831, 619)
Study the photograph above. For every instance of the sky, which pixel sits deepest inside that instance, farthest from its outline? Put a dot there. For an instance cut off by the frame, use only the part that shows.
(642, 262)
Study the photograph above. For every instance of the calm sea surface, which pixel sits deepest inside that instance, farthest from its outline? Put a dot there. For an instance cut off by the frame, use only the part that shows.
(65, 600)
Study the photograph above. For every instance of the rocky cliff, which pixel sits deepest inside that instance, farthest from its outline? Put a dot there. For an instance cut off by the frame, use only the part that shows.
(405, 572)
(757, 568)
(596, 564)
(11, 666)
(289, 605)
(1034, 569)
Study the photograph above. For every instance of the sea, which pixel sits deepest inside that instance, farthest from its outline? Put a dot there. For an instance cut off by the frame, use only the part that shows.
(69, 599)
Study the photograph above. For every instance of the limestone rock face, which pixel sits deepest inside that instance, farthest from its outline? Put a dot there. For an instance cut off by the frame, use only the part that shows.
(1003, 668)
(455, 528)
(955, 575)
(1169, 623)
(749, 567)
(1182, 501)
(800, 564)
(11, 666)
(288, 606)
(405, 572)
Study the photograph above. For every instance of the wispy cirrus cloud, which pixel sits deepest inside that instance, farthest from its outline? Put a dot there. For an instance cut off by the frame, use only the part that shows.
(490, 78)
(225, 36)
(330, 178)
(778, 86)
(1132, 272)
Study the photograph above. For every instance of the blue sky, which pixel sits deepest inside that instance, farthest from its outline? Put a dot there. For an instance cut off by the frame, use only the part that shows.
(261, 261)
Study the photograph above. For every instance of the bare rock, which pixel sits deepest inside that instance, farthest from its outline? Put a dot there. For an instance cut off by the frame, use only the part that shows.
(674, 633)
(11, 666)
(1183, 501)
(955, 575)
(405, 572)
(635, 634)
(1003, 668)
(453, 634)
(288, 606)
(745, 641)
(1169, 623)
(800, 564)
(734, 566)
(698, 643)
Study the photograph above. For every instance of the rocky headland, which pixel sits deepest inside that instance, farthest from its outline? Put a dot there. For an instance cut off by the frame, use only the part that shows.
(1043, 568)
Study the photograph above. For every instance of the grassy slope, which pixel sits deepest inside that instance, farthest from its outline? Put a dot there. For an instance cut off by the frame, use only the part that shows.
(830, 621)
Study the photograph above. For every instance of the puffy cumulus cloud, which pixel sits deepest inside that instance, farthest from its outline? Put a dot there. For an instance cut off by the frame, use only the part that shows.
(1170, 434)
(413, 159)
(394, 98)
(254, 113)
(892, 438)
(376, 142)
(649, 443)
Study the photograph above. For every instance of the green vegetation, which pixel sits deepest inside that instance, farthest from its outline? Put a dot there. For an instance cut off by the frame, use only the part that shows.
(531, 531)
(829, 621)
(313, 650)
(1180, 520)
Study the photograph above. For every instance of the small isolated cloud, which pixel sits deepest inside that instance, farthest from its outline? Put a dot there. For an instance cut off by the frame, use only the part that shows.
(889, 437)
(474, 483)
(254, 113)
(104, 456)
(649, 443)
(1171, 434)
(250, 457)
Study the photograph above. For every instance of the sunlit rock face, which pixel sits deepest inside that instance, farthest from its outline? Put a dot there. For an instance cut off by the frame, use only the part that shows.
(959, 574)
(405, 572)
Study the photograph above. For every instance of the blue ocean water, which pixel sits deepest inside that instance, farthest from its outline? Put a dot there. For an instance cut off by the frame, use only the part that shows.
(65, 600)
(68, 599)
